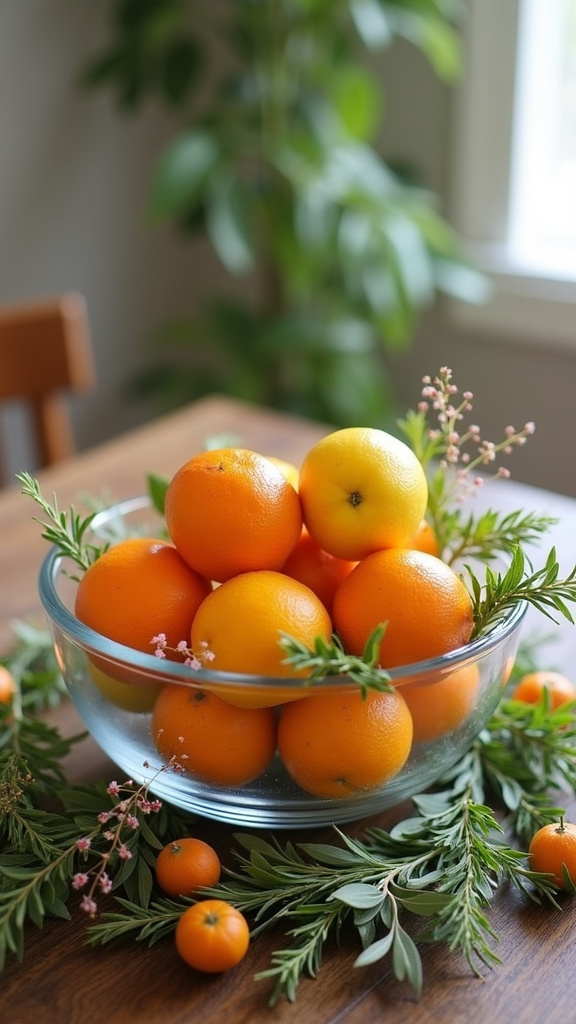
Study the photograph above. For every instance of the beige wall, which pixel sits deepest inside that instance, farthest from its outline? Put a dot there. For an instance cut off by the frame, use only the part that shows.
(73, 184)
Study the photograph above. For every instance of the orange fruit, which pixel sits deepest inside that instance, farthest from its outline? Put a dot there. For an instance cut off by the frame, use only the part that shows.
(230, 511)
(128, 695)
(317, 569)
(239, 624)
(336, 745)
(531, 686)
(186, 865)
(7, 685)
(288, 469)
(212, 936)
(427, 608)
(220, 744)
(439, 707)
(425, 539)
(361, 490)
(138, 588)
(551, 847)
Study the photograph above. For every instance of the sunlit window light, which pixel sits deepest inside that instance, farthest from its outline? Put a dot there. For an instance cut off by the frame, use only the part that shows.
(542, 228)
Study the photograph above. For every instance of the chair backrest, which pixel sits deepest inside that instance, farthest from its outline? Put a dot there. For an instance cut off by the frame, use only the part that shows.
(46, 355)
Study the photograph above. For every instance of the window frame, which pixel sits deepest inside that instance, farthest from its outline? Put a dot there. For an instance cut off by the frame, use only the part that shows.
(534, 306)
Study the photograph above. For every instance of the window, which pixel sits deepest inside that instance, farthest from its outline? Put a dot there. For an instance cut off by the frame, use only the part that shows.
(515, 188)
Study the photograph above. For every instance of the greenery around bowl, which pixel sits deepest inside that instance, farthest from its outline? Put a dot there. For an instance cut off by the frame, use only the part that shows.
(277, 108)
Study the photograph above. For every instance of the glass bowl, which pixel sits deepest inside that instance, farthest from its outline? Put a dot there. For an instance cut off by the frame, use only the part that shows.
(114, 689)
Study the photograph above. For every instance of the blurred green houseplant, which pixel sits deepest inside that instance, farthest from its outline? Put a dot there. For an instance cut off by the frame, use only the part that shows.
(274, 157)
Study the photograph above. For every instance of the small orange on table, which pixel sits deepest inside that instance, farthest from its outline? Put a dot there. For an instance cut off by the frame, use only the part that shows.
(552, 847)
(7, 685)
(532, 686)
(186, 865)
(212, 936)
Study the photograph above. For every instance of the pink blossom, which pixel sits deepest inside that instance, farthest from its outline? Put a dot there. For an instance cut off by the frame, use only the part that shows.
(105, 882)
(123, 852)
(79, 880)
(83, 843)
(113, 788)
(88, 905)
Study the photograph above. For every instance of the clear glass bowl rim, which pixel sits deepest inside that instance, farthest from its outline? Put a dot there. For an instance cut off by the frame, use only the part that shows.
(162, 670)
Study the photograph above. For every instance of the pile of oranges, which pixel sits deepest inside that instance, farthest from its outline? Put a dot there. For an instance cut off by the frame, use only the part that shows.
(257, 548)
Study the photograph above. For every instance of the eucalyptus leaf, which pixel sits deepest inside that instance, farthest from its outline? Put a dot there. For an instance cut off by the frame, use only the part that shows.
(359, 894)
(406, 960)
(375, 951)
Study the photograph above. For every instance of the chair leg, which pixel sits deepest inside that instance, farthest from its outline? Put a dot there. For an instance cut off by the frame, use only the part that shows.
(53, 427)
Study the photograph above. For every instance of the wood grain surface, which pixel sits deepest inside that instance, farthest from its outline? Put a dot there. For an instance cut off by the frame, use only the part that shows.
(63, 981)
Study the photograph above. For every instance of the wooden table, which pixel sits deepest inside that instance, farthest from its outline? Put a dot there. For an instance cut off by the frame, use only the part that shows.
(62, 981)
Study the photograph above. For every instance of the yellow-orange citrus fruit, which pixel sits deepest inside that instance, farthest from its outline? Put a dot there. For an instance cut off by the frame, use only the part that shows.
(531, 686)
(313, 566)
(239, 625)
(212, 739)
(212, 936)
(186, 865)
(7, 685)
(339, 745)
(425, 539)
(439, 707)
(230, 511)
(426, 606)
(361, 490)
(551, 847)
(123, 693)
(288, 469)
(137, 589)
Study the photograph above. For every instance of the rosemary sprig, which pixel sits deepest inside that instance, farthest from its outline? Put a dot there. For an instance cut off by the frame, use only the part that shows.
(443, 865)
(330, 659)
(67, 530)
(490, 534)
(525, 751)
(542, 589)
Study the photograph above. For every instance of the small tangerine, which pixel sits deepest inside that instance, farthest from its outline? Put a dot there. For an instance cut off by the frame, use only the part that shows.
(186, 865)
(552, 847)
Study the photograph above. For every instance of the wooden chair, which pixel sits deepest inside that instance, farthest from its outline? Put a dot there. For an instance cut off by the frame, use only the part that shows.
(45, 356)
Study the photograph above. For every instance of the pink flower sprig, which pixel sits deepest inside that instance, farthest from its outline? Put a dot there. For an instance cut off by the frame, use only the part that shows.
(449, 440)
(194, 660)
(114, 826)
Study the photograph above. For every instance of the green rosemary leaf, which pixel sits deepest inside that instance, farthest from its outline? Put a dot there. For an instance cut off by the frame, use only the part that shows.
(329, 659)
(543, 589)
(145, 924)
(66, 530)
